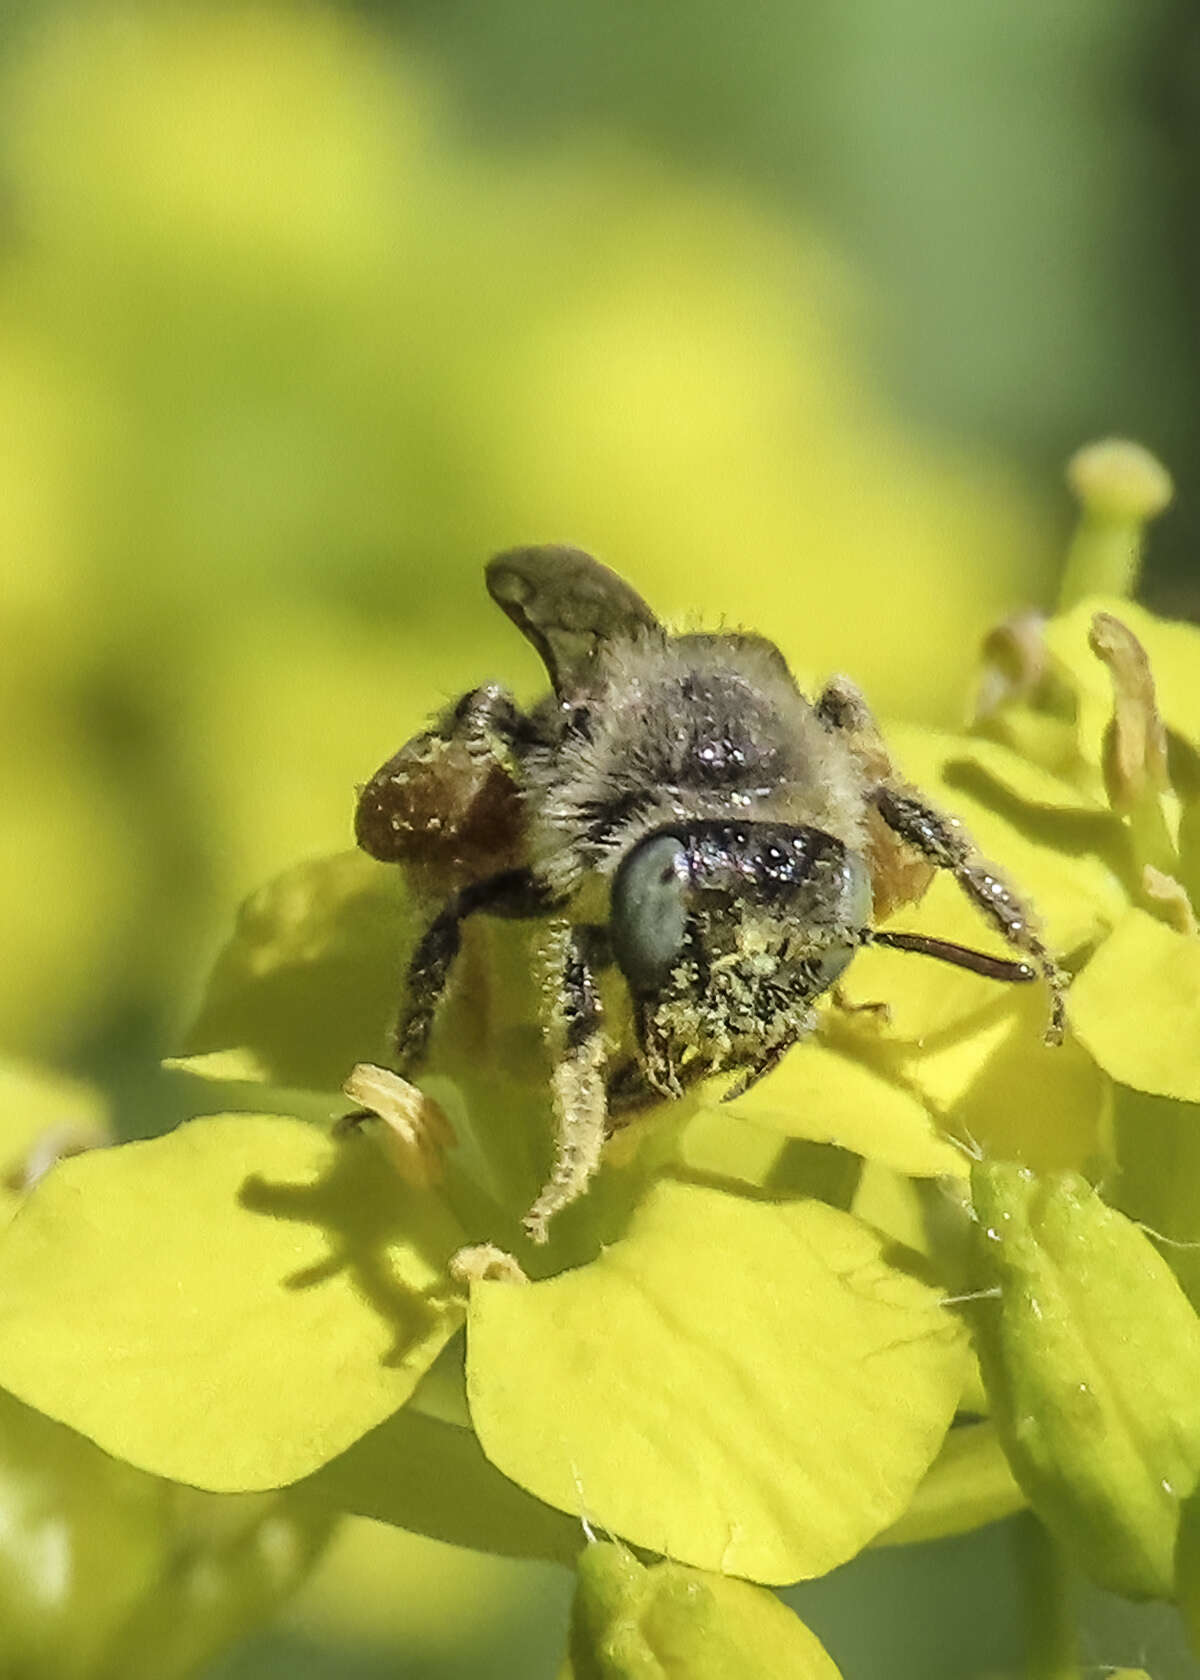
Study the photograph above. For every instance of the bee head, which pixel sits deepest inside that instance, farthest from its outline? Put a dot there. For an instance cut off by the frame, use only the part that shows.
(725, 931)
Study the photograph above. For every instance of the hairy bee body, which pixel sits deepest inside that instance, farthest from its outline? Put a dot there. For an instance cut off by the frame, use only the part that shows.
(678, 729)
(677, 809)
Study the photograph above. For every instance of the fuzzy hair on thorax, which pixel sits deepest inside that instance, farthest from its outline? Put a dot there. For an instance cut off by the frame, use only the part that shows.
(674, 729)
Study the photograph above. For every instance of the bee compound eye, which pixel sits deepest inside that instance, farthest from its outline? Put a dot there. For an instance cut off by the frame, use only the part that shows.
(650, 910)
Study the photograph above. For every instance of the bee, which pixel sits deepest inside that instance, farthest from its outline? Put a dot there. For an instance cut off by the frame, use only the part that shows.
(677, 810)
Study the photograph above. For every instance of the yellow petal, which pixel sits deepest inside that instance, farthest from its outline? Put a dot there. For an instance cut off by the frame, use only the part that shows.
(43, 1117)
(741, 1386)
(230, 1305)
(430, 1476)
(1002, 1089)
(829, 1097)
(969, 1483)
(1136, 1007)
(310, 980)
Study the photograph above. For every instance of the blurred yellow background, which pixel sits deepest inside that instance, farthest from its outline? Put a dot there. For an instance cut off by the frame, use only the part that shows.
(283, 359)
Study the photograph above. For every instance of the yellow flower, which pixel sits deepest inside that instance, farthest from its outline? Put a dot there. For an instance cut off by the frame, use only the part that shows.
(105, 1570)
(683, 1362)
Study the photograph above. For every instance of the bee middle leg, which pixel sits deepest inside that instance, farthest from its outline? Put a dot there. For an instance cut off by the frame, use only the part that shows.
(946, 845)
(512, 892)
(578, 1083)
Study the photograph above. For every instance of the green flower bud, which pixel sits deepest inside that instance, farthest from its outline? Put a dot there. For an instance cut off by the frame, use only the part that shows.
(674, 1623)
(1091, 1354)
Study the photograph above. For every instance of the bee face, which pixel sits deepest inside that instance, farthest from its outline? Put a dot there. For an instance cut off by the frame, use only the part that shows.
(715, 891)
(726, 932)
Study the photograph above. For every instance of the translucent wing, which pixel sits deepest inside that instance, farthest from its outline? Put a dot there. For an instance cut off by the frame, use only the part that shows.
(568, 605)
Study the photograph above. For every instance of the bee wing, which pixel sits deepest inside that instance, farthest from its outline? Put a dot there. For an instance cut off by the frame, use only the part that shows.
(567, 604)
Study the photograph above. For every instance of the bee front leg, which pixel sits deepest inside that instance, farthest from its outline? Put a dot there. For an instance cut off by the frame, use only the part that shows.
(946, 844)
(578, 1083)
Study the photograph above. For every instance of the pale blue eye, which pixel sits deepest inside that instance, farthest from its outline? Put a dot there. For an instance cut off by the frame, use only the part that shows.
(650, 911)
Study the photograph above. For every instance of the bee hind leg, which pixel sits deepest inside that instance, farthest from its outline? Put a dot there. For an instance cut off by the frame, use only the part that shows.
(447, 803)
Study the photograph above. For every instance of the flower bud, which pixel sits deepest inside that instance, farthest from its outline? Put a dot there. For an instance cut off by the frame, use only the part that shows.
(674, 1623)
(1091, 1354)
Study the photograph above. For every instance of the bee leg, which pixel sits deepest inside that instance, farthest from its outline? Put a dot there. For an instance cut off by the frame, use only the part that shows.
(347, 1123)
(840, 705)
(880, 1011)
(447, 802)
(749, 1077)
(662, 1076)
(488, 721)
(946, 844)
(513, 892)
(578, 1081)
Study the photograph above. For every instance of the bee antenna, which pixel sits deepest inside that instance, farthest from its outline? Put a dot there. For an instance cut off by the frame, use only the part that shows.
(962, 956)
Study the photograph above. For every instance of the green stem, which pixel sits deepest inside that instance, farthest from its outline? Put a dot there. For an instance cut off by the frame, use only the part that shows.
(1050, 1588)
